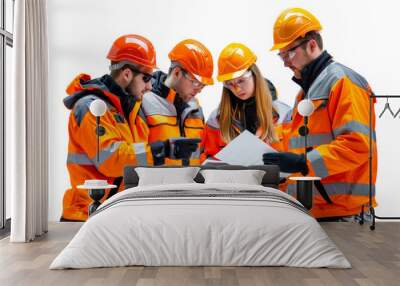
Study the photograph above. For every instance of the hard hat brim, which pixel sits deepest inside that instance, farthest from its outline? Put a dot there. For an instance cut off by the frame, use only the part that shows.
(279, 46)
(207, 81)
(233, 75)
(203, 80)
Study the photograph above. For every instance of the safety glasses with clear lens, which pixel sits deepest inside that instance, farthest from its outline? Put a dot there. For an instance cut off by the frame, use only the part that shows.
(240, 82)
(289, 54)
(195, 83)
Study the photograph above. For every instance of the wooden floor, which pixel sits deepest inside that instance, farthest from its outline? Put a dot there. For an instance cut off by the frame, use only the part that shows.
(374, 255)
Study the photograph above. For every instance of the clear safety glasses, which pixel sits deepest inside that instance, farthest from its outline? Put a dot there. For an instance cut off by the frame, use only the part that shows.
(240, 82)
(195, 83)
(289, 54)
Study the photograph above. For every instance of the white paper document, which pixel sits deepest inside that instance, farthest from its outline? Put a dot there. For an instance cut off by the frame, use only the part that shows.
(246, 149)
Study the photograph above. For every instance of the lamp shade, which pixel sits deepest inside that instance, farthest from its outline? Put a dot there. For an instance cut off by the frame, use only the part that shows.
(305, 107)
(98, 107)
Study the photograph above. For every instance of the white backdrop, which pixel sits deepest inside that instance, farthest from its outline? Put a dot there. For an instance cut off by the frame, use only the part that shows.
(361, 34)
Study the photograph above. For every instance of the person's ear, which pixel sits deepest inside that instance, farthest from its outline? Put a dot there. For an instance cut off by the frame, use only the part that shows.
(176, 72)
(127, 73)
(313, 45)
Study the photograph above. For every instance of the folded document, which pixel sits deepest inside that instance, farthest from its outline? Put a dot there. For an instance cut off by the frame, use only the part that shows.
(246, 149)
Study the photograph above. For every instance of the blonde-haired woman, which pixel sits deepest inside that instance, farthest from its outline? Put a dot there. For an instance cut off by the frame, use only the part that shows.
(246, 102)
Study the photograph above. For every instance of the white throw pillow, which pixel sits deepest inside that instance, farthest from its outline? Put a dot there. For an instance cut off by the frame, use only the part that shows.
(166, 176)
(249, 177)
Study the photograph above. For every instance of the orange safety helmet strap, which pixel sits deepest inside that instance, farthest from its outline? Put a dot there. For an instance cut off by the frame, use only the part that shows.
(292, 24)
(134, 49)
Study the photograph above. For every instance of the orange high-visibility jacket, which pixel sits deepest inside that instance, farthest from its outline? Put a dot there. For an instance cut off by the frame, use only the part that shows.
(212, 141)
(339, 137)
(164, 122)
(122, 140)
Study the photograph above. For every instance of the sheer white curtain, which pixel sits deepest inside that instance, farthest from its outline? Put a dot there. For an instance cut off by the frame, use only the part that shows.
(28, 116)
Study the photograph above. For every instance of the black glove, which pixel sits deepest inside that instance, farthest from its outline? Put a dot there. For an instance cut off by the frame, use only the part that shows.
(159, 150)
(287, 162)
(184, 147)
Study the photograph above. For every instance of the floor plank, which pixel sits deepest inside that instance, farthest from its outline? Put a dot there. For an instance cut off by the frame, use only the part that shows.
(374, 255)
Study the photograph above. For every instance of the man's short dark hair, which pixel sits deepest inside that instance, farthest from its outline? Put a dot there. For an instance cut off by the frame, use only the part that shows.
(315, 36)
(173, 65)
(115, 73)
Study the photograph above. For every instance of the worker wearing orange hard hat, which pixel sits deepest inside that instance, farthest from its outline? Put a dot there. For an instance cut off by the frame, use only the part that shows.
(171, 109)
(246, 102)
(122, 132)
(338, 125)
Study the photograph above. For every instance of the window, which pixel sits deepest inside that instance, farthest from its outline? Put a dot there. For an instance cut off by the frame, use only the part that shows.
(9, 17)
(6, 44)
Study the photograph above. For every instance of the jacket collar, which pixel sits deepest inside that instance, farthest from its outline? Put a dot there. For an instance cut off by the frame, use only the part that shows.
(104, 87)
(158, 86)
(311, 71)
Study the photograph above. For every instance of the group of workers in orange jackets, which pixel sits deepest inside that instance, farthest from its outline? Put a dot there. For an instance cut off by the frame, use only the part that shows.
(150, 114)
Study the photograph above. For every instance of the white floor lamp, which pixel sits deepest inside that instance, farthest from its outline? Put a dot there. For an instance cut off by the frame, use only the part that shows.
(304, 184)
(97, 187)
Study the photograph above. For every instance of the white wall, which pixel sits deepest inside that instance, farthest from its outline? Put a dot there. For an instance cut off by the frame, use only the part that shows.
(360, 34)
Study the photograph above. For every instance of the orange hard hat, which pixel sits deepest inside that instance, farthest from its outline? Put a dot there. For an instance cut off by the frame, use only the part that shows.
(134, 49)
(195, 58)
(291, 24)
(234, 60)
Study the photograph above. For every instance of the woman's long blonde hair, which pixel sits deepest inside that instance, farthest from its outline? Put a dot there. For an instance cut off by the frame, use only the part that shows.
(263, 107)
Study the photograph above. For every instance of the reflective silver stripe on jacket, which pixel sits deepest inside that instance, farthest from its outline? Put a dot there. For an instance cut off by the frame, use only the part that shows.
(312, 140)
(322, 85)
(82, 159)
(318, 139)
(140, 151)
(353, 126)
(106, 153)
(79, 158)
(339, 189)
(153, 104)
(81, 107)
(318, 164)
